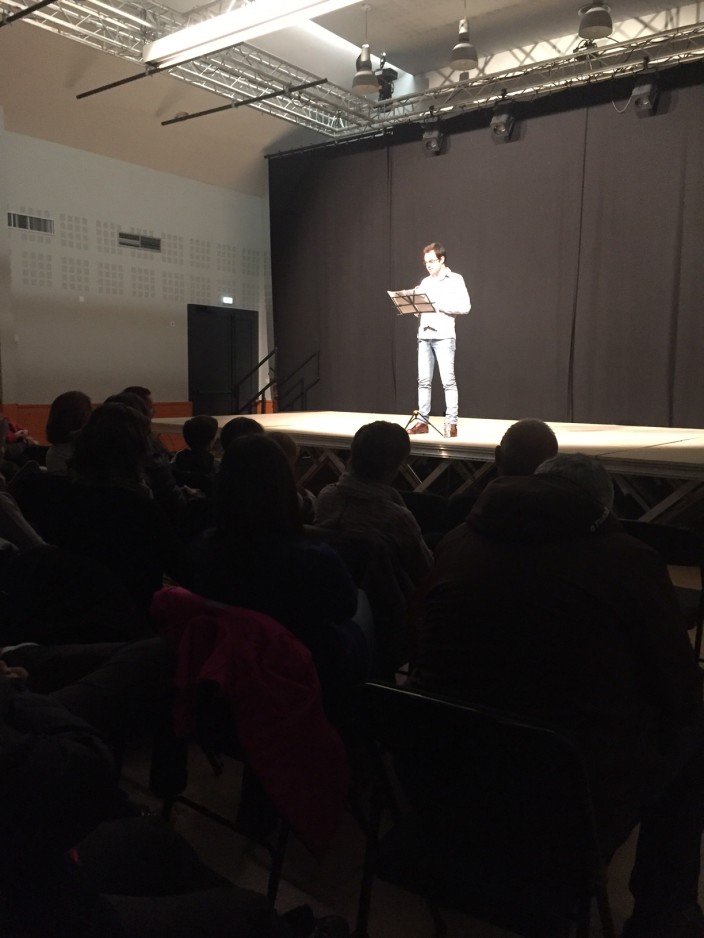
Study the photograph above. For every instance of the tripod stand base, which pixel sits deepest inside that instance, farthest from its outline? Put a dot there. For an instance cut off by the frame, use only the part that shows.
(420, 424)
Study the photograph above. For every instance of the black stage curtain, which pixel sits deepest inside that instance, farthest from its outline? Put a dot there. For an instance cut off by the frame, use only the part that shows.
(579, 241)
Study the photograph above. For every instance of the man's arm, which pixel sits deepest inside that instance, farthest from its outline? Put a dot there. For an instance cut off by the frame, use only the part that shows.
(451, 296)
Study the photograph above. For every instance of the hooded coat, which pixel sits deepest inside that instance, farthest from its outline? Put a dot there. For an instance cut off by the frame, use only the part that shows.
(540, 604)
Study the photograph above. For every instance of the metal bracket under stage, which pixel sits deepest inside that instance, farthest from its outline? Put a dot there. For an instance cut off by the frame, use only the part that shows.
(444, 475)
(658, 471)
(650, 498)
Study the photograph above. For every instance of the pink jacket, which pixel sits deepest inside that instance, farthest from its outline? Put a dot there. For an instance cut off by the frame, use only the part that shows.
(270, 682)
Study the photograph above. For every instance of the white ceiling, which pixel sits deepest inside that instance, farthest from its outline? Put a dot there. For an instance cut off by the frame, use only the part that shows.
(42, 72)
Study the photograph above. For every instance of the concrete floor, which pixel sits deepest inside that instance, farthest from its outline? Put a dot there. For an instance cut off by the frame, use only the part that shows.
(330, 886)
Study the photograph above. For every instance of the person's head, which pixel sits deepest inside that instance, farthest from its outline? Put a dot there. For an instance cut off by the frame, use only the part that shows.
(237, 427)
(255, 492)
(377, 451)
(145, 394)
(287, 444)
(130, 399)
(585, 471)
(67, 414)
(434, 258)
(200, 432)
(113, 446)
(4, 430)
(523, 447)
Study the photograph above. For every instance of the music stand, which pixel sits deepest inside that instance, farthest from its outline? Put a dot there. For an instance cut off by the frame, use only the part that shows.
(410, 301)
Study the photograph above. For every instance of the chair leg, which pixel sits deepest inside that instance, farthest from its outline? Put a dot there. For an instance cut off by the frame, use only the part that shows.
(277, 861)
(370, 855)
(698, 636)
(604, 906)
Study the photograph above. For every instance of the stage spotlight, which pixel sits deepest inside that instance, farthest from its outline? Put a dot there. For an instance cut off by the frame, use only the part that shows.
(432, 141)
(646, 94)
(464, 55)
(365, 81)
(595, 21)
(502, 123)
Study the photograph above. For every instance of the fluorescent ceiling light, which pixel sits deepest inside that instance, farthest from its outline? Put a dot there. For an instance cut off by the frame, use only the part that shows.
(244, 24)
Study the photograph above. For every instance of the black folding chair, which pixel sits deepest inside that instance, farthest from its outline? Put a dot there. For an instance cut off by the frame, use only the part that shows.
(683, 552)
(500, 823)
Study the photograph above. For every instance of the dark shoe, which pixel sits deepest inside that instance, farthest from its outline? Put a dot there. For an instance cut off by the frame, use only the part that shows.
(418, 427)
(687, 923)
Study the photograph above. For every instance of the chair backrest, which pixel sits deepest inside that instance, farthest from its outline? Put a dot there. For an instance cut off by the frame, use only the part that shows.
(504, 799)
(676, 546)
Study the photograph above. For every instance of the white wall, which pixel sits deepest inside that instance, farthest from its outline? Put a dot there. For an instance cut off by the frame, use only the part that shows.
(84, 313)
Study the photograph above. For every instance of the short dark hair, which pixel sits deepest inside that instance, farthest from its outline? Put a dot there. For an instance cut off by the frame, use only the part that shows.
(255, 491)
(130, 399)
(436, 247)
(67, 414)
(524, 446)
(287, 444)
(237, 427)
(114, 445)
(138, 389)
(377, 449)
(199, 432)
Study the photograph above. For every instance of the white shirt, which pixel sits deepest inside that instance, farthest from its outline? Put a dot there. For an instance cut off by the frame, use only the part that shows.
(449, 296)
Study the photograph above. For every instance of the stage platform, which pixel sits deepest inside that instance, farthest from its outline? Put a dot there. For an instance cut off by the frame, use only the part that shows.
(660, 469)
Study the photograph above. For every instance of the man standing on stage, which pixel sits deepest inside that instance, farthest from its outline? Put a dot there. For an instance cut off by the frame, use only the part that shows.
(436, 336)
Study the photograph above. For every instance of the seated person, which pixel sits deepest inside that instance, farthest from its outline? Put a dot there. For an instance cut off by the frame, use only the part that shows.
(256, 557)
(14, 527)
(106, 511)
(71, 864)
(306, 499)
(186, 507)
(8, 469)
(237, 427)
(200, 434)
(541, 605)
(18, 442)
(363, 500)
(524, 446)
(69, 412)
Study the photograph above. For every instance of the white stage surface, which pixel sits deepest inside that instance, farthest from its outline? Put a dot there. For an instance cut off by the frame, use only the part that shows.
(661, 468)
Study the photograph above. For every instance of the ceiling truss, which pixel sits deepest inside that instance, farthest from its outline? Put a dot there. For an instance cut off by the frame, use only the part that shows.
(123, 27)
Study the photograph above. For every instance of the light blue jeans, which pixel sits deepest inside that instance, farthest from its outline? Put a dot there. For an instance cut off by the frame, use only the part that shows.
(442, 351)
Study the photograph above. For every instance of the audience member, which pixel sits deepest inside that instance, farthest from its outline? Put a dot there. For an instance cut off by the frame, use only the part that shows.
(146, 396)
(14, 527)
(306, 500)
(237, 427)
(524, 446)
(173, 498)
(70, 865)
(8, 469)
(540, 604)
(106, 512)
(18, 442)
(68, 413)
(199, 434)
(363, 500)
(257, 558)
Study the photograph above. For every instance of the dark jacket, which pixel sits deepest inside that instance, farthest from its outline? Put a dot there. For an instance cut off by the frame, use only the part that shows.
(542, 605)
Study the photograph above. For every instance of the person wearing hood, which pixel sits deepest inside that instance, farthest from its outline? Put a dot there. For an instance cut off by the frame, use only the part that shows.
(540, 604)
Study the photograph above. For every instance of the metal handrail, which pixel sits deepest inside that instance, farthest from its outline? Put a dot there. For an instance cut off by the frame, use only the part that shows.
(260, 393)
(303, 388)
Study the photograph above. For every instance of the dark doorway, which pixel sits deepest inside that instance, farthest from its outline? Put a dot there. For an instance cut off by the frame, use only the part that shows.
(222, 351)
